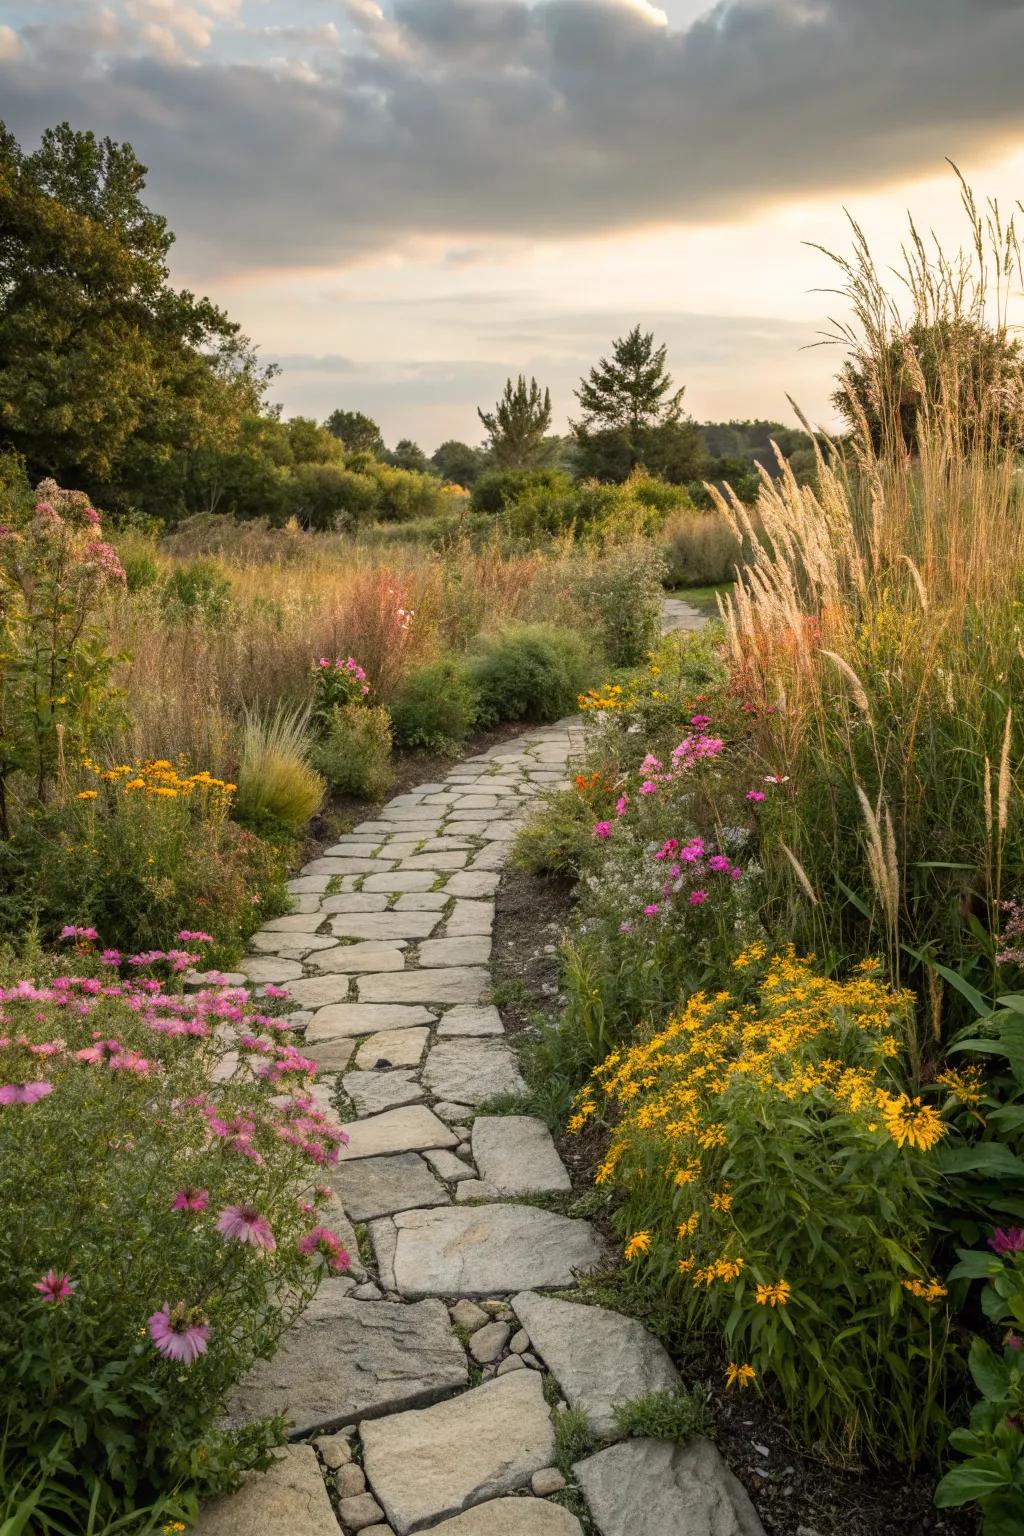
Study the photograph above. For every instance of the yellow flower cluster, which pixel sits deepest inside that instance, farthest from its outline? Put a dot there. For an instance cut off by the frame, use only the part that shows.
(739, 1375)
(158, 779)
(612, 696)
(925, 1290)
(808, 1039)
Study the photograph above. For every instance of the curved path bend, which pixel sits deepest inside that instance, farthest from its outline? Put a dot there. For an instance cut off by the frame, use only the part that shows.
(425, 1388)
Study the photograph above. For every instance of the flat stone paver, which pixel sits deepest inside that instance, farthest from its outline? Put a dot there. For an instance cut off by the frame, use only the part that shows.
(512, 1517)
(345, 1359)
(392, 1048)
(290, 1497)
(397, 1130)
(373, 1092)
(484, 1250)
(459, 984)
(515, 1155)
(471, 1071)
(380, 1186)
(657, 1488)
(600, 1358)
(472, 949)
(438, 1461)
(352, 958)
(348, 1020)
(465, 1019)
(383, 925)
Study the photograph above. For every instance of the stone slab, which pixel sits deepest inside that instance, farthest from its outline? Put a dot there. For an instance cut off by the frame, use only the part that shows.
(353, 901)
(329, 1055)
(434, 861)
(473, 1070)
(264, 968)
(449, 1167)
(380, 1186)
(373, 1092)
(516, 1155)
(411, 1129)
(347, 1020)
(600, 1358)
(657, 1488)
(294, 922)
(472, 882)
(290, 1496)
(438, 1461)
(344, 1359)
(470, 917)
(512, 1517)
(383, 926)
(421, 901)
(467, 950)
(320, 991)
(393, 1047)
(457, 984)
(466, 1019)
(485, 1250)
(349, 959)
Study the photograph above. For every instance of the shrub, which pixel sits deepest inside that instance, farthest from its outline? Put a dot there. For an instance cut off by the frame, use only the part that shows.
(335, 685)
(533, 672)
(130, 1308)
(434, 709)
(780, 1182)
(277, 787)
(138, 561)
(500, 488)
(326, 496)
(141, 851)
(199, 590)
(700, 550)
(620, 597)
(354, 751)
(55, 671)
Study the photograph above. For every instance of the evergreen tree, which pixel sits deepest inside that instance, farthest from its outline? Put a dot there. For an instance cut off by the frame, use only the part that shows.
(517, 427)
(633, 416)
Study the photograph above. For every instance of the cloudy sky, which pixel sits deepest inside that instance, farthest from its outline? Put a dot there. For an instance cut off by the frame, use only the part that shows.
(404, 201)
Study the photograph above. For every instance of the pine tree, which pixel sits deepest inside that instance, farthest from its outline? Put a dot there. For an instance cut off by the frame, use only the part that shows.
(518, 425)
(633, 416)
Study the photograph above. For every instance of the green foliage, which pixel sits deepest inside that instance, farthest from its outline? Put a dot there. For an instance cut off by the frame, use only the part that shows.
(700, 550)
(141, 852)
(408, 455)
(517, 427)
(97, 1423)
(354, 751)
(55, 673)
(631, 415)
(497, 489)
(458, 463)
(199, 591)
(992, 1475)
(530, 672)
(620, 596)
(674, 1416)
(557, 837)
(434, 709)
(574, 1439)
(278, 790)
(358, 432)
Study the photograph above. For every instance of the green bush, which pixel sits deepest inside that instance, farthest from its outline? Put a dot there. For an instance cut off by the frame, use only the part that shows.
(621, 596)
(435, 708)
(530, 672)
(674, 1416)
(354, 753)
(326, 496)
(199, 590)
(500, 488)
(160, 1233)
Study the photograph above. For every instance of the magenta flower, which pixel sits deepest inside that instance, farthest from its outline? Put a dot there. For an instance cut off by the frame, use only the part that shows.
(700, 720)
(755, 794)
(322, 1240)
(83, 934)
(111, 957)
(1007, 1241)
(245, 1224)
(698, 898)
(652, 909)
(24, 1093)
(190, 1199)
(180, 1334)
(54, 1287)
(719, 863)
(648, 787)
(270, 990)
(194, 936)
(620, 805)
(602, 829)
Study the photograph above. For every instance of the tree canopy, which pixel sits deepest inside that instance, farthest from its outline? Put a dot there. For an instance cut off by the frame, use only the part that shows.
(632, 415)
(359, 432)
(517, 428)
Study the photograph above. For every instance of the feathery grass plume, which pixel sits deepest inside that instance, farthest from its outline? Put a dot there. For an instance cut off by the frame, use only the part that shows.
(860, 698)
(1005, 775)
(801, 874)
(276, 783)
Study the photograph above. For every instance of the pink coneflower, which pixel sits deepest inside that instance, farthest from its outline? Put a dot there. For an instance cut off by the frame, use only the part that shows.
(648, 787)
(111, 957)
(625, 927)
(190, 1199)
(1009, 1240)
(719, 863)
(700, 720)
(698, 898)
(54, 1287)
(602, 829)
(621, 805)
(652, 909)
(194, 936)
(270, 990)
(755, 794)
(245, 1224)
(179, 1334)
(322, 1240)
(24, 1093)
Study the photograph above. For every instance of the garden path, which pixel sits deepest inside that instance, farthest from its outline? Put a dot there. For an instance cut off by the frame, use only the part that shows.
(425, 1388)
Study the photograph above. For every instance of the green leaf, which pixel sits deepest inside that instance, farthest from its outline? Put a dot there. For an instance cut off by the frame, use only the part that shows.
(974, 1480)
(991, 1375)
(986, 1157)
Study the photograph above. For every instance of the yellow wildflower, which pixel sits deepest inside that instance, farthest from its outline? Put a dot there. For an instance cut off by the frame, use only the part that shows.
(640, 1242)
(86, 794)
(739, 1375)
(775, 1295)
(925, 1290)
(911, 1122)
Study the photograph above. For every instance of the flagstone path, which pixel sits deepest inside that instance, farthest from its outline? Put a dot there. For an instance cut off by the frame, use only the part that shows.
(423, 1388)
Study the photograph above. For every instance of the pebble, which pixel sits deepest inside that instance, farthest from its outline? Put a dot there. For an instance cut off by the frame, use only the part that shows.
(334, 1449)
(351, 1481)
(466, 1314)
(519, 1342)
(359, 1512)
(531, 1361)
(546, 1482)
(367, 1292)
(513, 1363)
(488, 1342)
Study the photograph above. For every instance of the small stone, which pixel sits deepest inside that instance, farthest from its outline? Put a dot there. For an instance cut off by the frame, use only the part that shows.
(488, 1342)
(546, 1482)
(513, 1363)
(410, 1129)
(519, 1342)
(467, 1315)
(373, 1092)
(464, 1149)
(377, 1530)
(359, 1512)
(448, 1167)
(471, 1071)
(329, 1055)
(367, 1292)
(532, 1362)
(379, 1186)
(422, 901)
(318, 991)
(384, 1237)
(452, 1113)
(516, 1155)
(350, 1481)
(336, 1450)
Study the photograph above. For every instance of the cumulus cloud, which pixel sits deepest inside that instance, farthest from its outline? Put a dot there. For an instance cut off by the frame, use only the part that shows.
(477, 119)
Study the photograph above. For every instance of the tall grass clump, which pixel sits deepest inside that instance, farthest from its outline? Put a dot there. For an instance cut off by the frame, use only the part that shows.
(277, 786)
(875, 631)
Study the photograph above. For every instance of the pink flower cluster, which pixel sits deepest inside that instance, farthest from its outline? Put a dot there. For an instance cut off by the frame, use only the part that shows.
(687, 868)
(349, 665)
